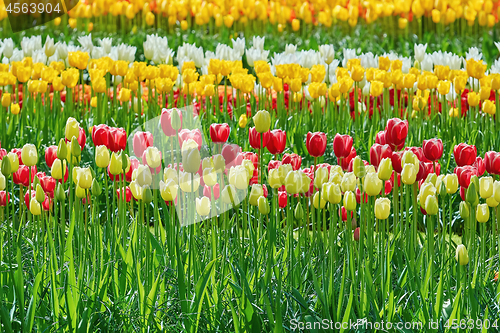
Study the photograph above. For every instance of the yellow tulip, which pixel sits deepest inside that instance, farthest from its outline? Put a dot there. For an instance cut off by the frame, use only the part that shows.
(382, 208)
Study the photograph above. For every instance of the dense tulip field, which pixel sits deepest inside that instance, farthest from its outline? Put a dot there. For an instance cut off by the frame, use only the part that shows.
(191, 190)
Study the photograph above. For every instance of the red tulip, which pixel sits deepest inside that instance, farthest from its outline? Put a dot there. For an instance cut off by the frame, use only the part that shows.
(293, 159)
(82, 138)
(346, 162)
(316, 143)
(208, 193)
(4, 198)
(186, 134)
(464, 175)
(433, 149)
(274, 164)
(479, 165)
(342, 145)
(128, 193)
(344, 214)
(142, 140)
(356, 234)
(100, 135)
(254, 138)
(378, 153)
(396, 161)
(219, 133)
(48, 184)
(282, 199)
(462, 193)
(464, 154)
(3, 152)
(358, 196)
(277, 142)
(21, 176)
(117, 139)
(50, 155)
(380, 138)
(231, 153)
(492, 162)
(166, 122)
(396, 132)
(388, 185)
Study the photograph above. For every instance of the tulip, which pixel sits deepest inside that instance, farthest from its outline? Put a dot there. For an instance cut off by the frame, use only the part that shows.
(230, 156)
(491, 202)
(238, 177)
(482, 213)
(277, 142)
(219, 133)
(486, 187)
(358, 167)
(451, 183)
(316, 201)
(320, 177)
(489, 107)
(35, 207)
(152, 157)
(50, 155)
(84, 178)
(372, 184)
(464, 175)
(4, 198)
(385, 169)
(209, 176)
(274, 179)
(228, 195)
(141, 141)
(464, 209)
(348, 182)
(15, 109)
(96, 188)
(189, 182)
(342, 145)
(143, 175)
(461, 255)
(396, 131)
(255, 192)
(382, 208)
(379, 152)
(29, 155)
(255, 138)
(293, 182)
(263, 205)
(262, 121)
(464, 154)
(242, 121)
(10, 164)
(102, 156)
(492, 162)
(137, 190)
(433, 149)
(115, 164)
(72, 129)
(168, 190)
(316, 143)
(203, 206)
(349, 201)
(431, 205)
(293, 159)
(473, 99)
(471, 194)
(409, 174)
(191, 160)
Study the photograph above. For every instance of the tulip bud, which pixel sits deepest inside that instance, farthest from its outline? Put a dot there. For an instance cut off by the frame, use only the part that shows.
(298, 212)
(262, 121)
(485, 187)
(102, 156)
(6, 167)
(39, 193)
(316, 201)
(431, 205)
(125, 162)
(62, 150)
(464, 209)
(96, 188)
(35, 207)
(373, 185)
(349, 201)
(409, 174)
(29, 155)
(76, 150)
(471, 194)
(385, 169)
(147, 195)
(359, 167)
(382, 208)
(263, 205)
(461, 255)
(59, 194)
(482, 213)
(80, 192)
